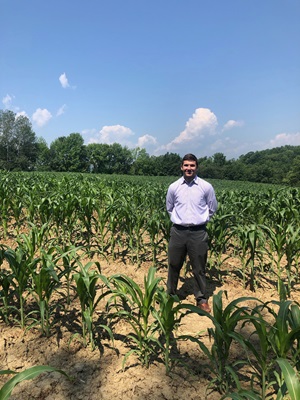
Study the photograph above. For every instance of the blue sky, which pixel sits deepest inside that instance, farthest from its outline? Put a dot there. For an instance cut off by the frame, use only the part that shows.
(179, 76)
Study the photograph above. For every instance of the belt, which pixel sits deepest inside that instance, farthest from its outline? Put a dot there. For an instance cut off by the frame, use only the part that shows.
(190, 227)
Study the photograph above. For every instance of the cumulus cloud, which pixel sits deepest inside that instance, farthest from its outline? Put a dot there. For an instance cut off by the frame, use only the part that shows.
(64, 81)
(61, 110)
(203, 122)
(232, 124)
(283, 139)
(110, 134)
(146, 140)
(7, 100)
(41, 116)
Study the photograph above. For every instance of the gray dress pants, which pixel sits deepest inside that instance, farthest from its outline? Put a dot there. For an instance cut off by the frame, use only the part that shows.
(194, 243)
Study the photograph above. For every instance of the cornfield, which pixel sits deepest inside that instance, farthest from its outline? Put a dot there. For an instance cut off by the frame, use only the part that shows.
(56, 229)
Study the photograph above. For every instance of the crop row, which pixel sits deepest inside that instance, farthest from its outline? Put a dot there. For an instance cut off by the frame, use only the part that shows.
(121, 217)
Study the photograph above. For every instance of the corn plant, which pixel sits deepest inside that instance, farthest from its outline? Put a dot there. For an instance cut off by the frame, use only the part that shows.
(22, 267)
(135, 306)
(17, 205)
(4, 214)
(29, 373)
(156, 223)
(292, 253)
(35, 239)
(285, 333)
(249, 238)
(66, 259)
(87, 207)
(262, 365)
(86, 280)
(6, 293)
(294, 323)
(44, 282)
(224, 332)
(168, 316)
(219, 235)
(277, 340)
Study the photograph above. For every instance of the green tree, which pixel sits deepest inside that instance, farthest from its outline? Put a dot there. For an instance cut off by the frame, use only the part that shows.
(109, 158)
(143, 164)
(18, 143)
(119, 159)
(98, 157)
(293, 176)
(168, 164)
(68, 153)
(219, 159)
(43, 157)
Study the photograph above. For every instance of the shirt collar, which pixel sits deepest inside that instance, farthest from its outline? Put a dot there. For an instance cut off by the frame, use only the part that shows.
(194, 181)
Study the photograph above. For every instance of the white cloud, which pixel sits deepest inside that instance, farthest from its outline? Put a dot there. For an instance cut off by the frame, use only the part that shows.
(232, 124)
(146, 140)
(64, 80)
(203, 122)
(7, 100)
(110, 134)
(283, 139)
(61, 110)
(41, 116)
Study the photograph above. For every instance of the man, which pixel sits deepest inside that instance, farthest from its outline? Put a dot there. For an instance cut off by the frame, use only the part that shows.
(190, 202)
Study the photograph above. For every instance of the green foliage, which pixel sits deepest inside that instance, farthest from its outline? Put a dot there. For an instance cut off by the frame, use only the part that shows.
(86, 280)
(30, 373)
(18, 143)
(136, 306)
(291, 380)
(224, 331)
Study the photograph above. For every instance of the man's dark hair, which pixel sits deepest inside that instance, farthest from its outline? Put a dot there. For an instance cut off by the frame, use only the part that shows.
(190, 157)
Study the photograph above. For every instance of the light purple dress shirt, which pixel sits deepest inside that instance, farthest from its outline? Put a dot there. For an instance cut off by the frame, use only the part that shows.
(191, 203)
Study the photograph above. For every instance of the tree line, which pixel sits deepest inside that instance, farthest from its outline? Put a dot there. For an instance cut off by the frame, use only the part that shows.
(21, 150)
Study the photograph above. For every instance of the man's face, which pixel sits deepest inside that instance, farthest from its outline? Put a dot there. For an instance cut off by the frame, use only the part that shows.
(189, 169)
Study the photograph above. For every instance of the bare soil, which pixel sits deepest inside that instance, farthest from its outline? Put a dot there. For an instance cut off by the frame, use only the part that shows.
(98, 374)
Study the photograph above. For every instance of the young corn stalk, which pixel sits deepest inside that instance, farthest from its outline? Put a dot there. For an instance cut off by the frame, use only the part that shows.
(6, 292)
(44, 282)
(68, 257)
(136, 306)
(284, 336)
(157, 222)
(292, 253)
(249, 238)
(224, 332)
(22, 266)
(4, 210)
(276, 237)
(35, 239)
(168, 316)
(220, 234)
(86, 280)
(277, 340)
(262, 367)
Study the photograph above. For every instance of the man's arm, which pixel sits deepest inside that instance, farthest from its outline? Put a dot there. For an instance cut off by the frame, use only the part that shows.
(211, 202)
(169, 201)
